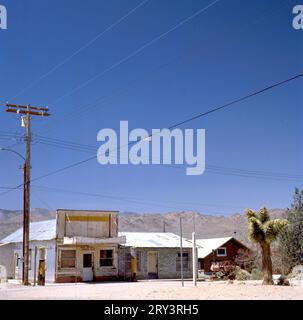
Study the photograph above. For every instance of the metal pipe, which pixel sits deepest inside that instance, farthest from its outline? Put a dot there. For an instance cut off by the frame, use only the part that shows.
(181, 252)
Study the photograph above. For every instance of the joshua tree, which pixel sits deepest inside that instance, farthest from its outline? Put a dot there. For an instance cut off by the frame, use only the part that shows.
(264, 231)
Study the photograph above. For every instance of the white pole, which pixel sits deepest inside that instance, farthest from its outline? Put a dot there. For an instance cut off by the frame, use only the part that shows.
(194, 260)
(181, 252)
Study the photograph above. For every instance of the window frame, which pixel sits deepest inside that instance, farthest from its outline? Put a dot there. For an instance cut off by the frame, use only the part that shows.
(222, 255)
(65, 250)
(112, 258)
(178, 262)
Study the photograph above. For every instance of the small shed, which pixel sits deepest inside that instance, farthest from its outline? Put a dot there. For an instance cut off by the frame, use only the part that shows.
(158, 255)
(217, 250)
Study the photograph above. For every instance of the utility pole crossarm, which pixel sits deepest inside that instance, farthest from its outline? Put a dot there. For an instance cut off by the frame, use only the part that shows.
(35, 111)
(25, 107)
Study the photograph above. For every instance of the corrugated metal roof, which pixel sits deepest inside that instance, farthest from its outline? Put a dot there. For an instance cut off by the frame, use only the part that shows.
(154, 240)
(43, 230)
(206, 246)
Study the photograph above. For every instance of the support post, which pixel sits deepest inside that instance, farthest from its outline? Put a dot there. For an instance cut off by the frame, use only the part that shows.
(194, 259)
(35, 267)
(181, 252)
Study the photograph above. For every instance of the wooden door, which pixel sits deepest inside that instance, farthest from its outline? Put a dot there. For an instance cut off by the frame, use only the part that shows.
(152, 264)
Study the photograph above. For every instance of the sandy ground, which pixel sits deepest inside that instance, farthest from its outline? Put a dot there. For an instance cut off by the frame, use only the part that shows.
(151, 290)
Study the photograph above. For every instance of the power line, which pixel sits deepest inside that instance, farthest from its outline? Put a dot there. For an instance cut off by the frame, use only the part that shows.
(209, 168)
(12, 189)
(92, 149)
(194, 49)
(6, 188)
(236, 101)
(123, 199)
(136, 52)
(229, 104)
(89, 43)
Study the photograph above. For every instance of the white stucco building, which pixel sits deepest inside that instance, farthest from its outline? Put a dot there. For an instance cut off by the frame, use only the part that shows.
(77, 246)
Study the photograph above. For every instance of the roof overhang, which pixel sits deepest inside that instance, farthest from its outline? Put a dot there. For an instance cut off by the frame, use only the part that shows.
(4, 244)
(87, 241)
(217, 246)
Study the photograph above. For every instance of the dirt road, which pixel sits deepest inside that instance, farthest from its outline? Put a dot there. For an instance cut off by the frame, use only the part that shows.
(151, 290)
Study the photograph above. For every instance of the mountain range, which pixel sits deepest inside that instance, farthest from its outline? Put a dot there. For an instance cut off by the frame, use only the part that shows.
(205, 226)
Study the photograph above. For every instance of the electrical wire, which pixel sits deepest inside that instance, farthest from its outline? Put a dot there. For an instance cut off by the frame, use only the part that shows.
(216, 109)
(85, 46)
(134, 53)
(108, 100)
(213, 110)
(123, 199)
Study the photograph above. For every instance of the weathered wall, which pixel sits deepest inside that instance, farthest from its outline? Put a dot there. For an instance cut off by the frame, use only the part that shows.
(92, 224)
(7, 259)
(76, 274)
(14, 249)
(167, 263)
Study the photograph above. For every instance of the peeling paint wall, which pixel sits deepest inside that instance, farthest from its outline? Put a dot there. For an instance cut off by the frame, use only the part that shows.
(15, 265)
(99, 272)
(7, 259)
(91, 224)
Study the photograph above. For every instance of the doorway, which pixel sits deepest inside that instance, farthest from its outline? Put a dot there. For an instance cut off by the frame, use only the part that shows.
(17, 266)
(152, 264)
(88, 265)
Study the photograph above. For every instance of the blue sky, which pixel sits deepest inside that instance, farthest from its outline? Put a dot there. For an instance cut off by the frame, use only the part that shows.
(231, 49)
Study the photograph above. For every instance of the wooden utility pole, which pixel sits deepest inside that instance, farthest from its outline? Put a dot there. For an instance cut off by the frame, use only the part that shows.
(28, 111)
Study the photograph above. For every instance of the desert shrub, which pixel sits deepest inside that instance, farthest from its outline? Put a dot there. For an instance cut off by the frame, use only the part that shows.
(297, 272)
(219, 274)
(283, 281)
(248, 259)
(256, 274)
(241, 274)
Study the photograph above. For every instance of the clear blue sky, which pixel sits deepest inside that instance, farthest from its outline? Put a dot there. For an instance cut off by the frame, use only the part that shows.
(233, 48)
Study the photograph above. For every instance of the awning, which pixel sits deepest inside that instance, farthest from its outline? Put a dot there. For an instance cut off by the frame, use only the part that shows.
(86, 240)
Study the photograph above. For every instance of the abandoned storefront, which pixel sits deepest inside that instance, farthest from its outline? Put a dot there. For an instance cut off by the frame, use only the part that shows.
(77, 246)
(158, 256)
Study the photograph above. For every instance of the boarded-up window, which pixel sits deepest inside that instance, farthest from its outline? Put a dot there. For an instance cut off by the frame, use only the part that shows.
(68, 258)
(106, 258)
(185, 261)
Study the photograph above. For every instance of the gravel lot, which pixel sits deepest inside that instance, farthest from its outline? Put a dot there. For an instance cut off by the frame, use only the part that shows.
(155, 289)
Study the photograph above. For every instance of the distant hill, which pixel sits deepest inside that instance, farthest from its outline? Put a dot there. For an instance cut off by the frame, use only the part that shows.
(11, 220)
(206, 226)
